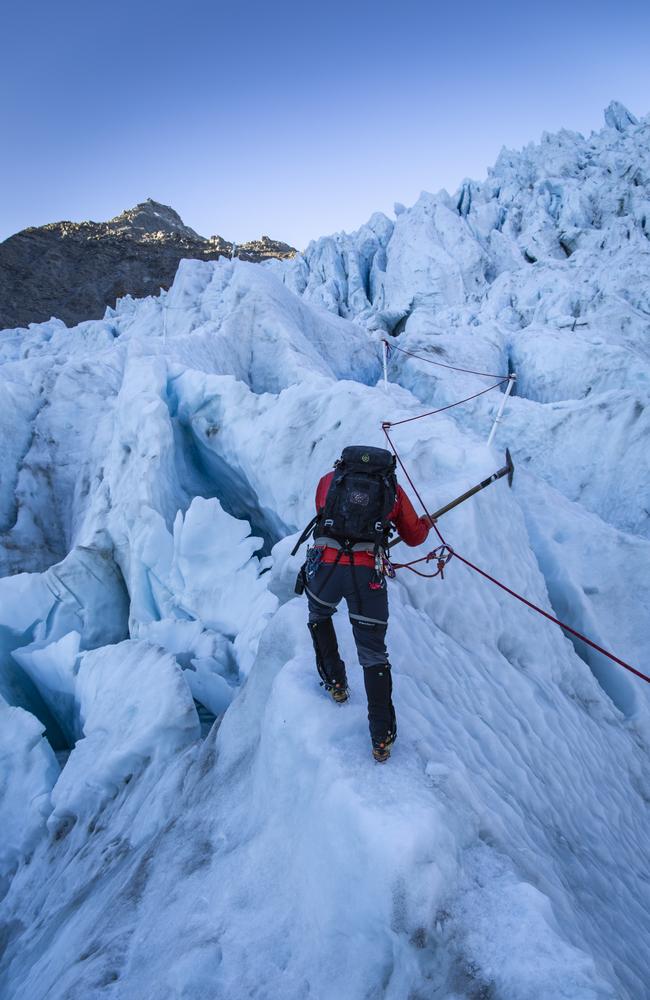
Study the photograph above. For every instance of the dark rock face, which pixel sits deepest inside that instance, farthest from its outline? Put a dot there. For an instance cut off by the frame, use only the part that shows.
(73, 270)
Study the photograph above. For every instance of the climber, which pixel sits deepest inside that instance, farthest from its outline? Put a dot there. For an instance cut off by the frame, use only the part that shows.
(357, 505)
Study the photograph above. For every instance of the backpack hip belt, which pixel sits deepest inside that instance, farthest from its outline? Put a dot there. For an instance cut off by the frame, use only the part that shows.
(332, 543)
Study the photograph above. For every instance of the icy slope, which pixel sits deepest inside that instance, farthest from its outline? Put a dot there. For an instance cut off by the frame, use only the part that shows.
(156, 468)
(544, 266)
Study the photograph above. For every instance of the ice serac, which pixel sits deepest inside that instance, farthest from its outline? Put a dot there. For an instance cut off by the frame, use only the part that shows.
(123, 728)
(617, 116)
(157, 467)
(543, 268)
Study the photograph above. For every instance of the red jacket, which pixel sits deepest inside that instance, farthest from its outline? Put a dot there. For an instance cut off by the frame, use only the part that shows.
(412, 529)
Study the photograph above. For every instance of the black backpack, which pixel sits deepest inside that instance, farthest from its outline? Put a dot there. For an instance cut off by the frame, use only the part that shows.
(360, 498)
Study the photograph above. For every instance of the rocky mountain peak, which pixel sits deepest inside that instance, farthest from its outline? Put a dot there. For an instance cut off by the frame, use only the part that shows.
(152, 217)
(73, 270)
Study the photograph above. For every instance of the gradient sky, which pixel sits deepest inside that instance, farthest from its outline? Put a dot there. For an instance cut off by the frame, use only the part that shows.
(294, 119)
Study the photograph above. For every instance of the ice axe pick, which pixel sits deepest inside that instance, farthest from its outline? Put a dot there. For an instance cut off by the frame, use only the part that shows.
(507, 470)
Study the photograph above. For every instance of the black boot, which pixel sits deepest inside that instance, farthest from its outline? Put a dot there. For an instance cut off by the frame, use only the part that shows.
(381, 714)
(329, 664)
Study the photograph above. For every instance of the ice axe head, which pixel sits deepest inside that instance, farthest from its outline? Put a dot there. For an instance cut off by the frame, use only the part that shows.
(509, 466)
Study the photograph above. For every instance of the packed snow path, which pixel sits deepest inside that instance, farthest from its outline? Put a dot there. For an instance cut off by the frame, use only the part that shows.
(503, 851)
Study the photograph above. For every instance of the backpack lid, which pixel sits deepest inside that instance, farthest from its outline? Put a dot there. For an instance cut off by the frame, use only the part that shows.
(367, 459)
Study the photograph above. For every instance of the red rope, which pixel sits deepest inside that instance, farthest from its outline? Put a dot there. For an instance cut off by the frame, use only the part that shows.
(384, 428)
(540, 611)
(441, 364)
(442, 555)
(477, 569)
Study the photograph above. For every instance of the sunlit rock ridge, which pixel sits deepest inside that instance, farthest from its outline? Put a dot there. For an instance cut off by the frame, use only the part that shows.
(184, 814)
(73, 270)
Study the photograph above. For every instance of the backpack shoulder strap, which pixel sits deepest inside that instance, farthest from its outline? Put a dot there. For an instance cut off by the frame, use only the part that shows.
(305, 534)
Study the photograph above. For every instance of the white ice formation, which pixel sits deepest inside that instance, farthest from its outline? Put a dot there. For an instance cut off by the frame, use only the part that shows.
(155, 467)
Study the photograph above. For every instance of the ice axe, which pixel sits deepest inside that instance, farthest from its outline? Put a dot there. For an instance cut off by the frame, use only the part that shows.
(507, 470)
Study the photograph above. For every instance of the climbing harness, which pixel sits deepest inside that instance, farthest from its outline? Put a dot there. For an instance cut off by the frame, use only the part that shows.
(313, 561)
(377, 581)
(387, 567)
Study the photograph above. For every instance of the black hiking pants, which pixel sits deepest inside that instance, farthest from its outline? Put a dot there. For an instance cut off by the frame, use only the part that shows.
(368, 613)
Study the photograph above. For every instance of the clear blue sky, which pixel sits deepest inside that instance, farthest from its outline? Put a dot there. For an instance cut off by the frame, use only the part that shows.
(291, 117)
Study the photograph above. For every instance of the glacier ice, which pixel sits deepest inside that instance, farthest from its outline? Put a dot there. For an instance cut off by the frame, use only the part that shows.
(157, 466)
(29, 772)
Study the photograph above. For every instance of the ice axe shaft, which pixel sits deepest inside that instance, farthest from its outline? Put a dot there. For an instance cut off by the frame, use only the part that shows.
(507, 470)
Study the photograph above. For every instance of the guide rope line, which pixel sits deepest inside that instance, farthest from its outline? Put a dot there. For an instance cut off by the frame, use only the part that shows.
(445, 552)
(551, 618)
(441, 409)
(440, 364)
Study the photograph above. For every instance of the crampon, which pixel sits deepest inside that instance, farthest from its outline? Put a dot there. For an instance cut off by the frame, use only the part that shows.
(339, 692)
(381, 748)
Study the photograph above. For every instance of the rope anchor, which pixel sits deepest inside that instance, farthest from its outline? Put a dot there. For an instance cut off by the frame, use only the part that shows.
(442, 555)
